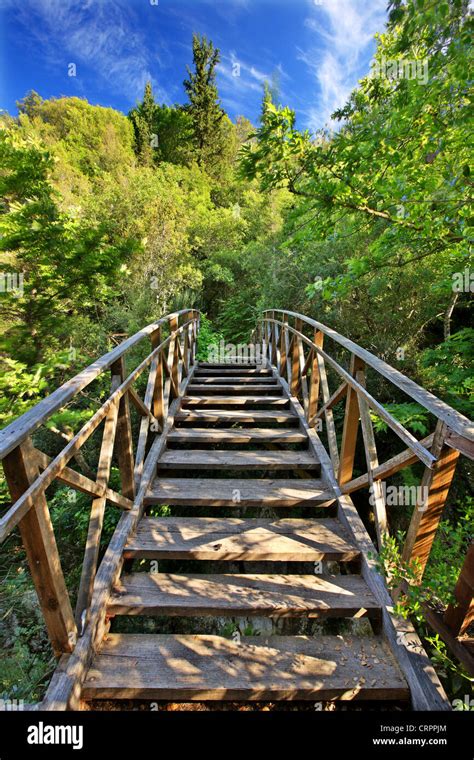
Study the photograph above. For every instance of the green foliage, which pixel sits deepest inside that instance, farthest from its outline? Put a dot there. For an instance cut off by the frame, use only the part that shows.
(447, 369)
(204, 108)
(208, 336)
(410, 415)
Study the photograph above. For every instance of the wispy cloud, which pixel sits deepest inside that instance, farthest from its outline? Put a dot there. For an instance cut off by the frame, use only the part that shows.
(343, 40)
(93, 33)
(240, 80)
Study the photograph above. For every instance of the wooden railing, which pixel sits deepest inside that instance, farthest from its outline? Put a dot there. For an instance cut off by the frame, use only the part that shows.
(29, 472)
(296, 346)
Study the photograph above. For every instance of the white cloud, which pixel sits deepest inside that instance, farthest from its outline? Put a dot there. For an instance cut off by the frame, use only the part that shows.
(339, 57)
(95, 33)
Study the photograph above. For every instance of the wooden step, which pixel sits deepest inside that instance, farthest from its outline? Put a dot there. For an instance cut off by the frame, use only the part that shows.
(188, 667)
(240, 372)
(228, 492)
(272, 595)
(201, 400)
(228, 365)
(196, 389)
(236, 416)
(236, 460)
(236, 435)
(234, 380)
(249, 539)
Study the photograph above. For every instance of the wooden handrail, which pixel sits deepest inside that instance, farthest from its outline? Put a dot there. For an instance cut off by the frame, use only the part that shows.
(456, 421)
(12, 435)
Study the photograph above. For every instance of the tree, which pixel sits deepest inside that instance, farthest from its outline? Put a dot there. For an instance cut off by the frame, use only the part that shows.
(143, 120)
(204, 107)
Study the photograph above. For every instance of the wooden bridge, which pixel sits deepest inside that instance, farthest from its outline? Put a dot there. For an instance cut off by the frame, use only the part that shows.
(233, 450)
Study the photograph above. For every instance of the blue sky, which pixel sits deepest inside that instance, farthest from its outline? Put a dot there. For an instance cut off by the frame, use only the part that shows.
(316, 49)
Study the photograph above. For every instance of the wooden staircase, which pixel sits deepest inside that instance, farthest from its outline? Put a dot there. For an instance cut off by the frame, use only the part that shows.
(238, 447)
(232, 508)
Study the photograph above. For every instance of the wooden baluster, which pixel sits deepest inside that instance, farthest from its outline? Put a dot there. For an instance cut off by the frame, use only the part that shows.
(328, 416)
(283, 346)
(303, 378)
(351, 426)
(273, 340)
(38, 539)
(376, 489)
(435, 486)
(124, 442)
(173, 364)
(96, 520)
(295, 361)
(315, 379)
(186, 350)
(194, 334)
(459, 616)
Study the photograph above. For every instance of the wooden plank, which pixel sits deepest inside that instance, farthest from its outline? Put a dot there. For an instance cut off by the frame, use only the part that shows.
(96, 521)
(334, 399)
(202, 400)
(426, 690)
(227, 365)
(456, 421)
(14, 433)
(234, 380)
(250, 539)
(435, 484)
(351, 426)
(328, 414)
(236, 460)
(250, 374)
(380, 510)
(252, 390)
(81, 483)
(224, 416)
(274, 595)
(295, 362)
(37, 535)
(236, 435)
(388, 468)
(315, 379)
(123, 438)
(459, 616)
(207, 667)
(228, 492)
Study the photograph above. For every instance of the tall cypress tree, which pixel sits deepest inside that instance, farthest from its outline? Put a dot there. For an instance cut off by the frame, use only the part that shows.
(142, 118)
(204, 106)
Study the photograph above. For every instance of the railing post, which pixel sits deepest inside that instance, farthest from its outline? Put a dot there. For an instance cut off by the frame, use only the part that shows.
(295, 360)
(318, 340)
(123, 439)
(351, 426)
(435, 486)
(283, 345)
(41, 550)
(273, 333)
(459, 616)
(173, 357)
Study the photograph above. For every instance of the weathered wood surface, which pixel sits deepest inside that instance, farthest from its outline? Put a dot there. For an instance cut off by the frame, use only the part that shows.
(426, 690)
(457, 422)
(231, 594)
(38, 538)
(236, 460)
(230, 492)
(25, 425)
(195, 400)
(226, 538)
(225, 416)
(256, 389)
(236, 435)
(211, 667)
